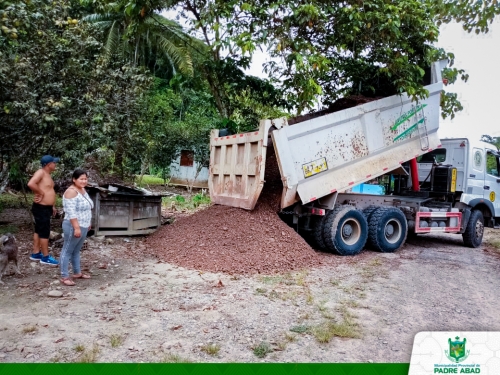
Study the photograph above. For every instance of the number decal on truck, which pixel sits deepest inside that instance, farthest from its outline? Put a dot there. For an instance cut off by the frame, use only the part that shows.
(314, 167)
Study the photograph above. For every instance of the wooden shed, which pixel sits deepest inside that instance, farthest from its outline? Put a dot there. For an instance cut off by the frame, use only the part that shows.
(123, 211)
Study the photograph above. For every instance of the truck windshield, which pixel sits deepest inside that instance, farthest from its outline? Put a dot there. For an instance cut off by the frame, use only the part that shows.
(439, 154)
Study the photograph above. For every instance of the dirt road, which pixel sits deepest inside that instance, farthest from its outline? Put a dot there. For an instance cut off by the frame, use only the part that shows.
(136, 309)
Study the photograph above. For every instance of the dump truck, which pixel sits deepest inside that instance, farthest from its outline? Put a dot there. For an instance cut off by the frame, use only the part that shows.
(321, 158)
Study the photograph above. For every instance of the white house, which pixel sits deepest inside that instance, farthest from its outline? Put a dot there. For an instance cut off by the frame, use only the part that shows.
(186, 171)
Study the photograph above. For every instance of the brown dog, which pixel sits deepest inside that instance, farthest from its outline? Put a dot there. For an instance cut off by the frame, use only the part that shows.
(8, 252)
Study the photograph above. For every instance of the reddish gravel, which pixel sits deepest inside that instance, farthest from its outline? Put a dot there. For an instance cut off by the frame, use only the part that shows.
(235, 241)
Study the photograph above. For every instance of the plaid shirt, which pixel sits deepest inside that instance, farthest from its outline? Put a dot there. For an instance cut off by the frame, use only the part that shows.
(80, 208)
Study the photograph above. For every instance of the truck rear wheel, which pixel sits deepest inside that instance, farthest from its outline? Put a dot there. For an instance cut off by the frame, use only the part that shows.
(345, 230)
(473, 235)
(388, 229)
(317, 233)
(368, 211)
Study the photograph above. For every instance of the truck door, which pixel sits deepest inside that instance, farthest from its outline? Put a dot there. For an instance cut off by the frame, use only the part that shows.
(475, 180)
(492, 180)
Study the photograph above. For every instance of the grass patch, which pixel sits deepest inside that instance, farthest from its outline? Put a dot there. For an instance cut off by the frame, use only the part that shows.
(309, 298)
(55, 359)
(375, 262)
(211, 349)
(496, 245)
(200, 200)
(10, 201)
(300, 328)
(290, 337)
(300, 278)
(79, 348)
(271, 280)
(262, 350)
(290, 295)
(175, 358)
(150, 180)
(8, 229)
(304, 316)
(368, 273)
(287, 279)
(281, 345)
(30, 329)
(327, 330)
(324, 332)
(325, 313)
(89, 356)
(346, 313)
(116, 341)
(180, 203)
(352, 304)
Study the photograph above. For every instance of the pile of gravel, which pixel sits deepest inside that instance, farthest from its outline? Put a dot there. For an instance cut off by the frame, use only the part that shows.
(235, 241)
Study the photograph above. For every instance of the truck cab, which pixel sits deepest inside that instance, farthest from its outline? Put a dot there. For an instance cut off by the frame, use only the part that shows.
(474, 179)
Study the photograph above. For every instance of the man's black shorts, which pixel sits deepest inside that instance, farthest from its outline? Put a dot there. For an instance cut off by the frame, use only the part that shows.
(42, 215)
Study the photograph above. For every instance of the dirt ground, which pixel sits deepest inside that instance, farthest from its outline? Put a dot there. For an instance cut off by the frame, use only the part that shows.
(139, 309)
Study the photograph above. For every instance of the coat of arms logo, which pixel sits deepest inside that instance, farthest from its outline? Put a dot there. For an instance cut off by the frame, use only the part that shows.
(457, 352)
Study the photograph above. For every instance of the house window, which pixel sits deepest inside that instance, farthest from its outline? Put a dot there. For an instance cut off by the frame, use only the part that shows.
(187, 158)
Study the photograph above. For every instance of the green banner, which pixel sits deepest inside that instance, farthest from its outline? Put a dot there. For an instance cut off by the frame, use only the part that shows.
(206, 369)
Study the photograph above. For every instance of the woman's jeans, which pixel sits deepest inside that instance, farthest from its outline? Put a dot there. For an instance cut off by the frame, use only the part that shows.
(71, 249)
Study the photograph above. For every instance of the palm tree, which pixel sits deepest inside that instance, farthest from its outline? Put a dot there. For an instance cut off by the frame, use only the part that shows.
(136, 33)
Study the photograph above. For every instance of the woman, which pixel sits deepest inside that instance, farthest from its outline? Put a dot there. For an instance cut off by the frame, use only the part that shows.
(78, 213)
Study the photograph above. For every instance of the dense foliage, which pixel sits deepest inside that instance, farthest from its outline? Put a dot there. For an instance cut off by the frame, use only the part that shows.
(118, 83)
(56, 95)
(322, 50)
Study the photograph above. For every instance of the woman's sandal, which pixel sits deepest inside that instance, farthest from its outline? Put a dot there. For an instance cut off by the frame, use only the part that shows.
(81, 276)
(67, 281)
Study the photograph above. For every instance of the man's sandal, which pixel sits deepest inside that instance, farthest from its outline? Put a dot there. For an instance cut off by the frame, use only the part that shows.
(67, 281)
(81, 276)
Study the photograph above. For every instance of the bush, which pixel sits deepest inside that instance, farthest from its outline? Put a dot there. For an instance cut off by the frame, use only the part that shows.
(200, 199)
(180, 199)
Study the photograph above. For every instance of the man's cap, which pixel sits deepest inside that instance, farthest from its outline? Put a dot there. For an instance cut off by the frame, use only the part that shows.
(48, 159)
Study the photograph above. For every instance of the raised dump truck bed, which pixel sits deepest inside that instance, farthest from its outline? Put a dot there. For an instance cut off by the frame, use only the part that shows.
(327, 154)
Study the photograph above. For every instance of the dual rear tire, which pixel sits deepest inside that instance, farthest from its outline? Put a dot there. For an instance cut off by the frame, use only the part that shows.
(346, 231)
(387, 229)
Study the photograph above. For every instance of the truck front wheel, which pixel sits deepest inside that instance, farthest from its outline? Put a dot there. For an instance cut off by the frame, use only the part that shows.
(473, 235)
(345, 230)
(388, 229)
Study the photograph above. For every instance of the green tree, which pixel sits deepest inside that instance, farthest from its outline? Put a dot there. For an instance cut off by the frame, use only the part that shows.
(493, 140)
(55, 96)
(136, 33)
(226, 28)
(325, 49)
(177, 117)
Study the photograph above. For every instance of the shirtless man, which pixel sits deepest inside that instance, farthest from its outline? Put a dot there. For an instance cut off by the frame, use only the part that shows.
(43, 209)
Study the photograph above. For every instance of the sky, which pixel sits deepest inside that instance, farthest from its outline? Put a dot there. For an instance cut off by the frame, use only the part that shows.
(477, 54)
(480, 95)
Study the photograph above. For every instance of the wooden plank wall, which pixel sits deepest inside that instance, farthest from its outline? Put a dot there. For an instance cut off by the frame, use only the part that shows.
(126, 214)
